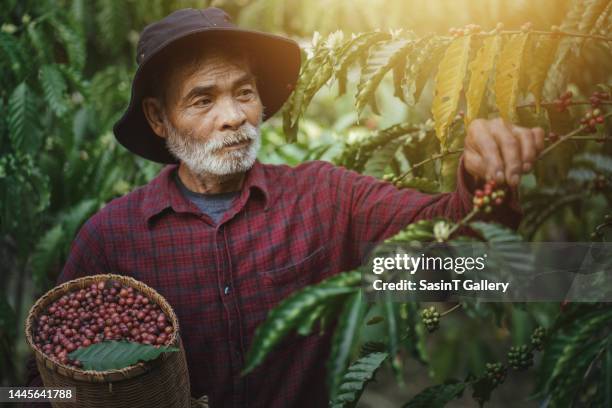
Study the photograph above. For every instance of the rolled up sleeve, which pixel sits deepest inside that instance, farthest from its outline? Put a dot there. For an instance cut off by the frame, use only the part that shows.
(379, 210)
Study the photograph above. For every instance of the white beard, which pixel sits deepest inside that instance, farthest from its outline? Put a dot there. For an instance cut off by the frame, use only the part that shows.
(207, 157)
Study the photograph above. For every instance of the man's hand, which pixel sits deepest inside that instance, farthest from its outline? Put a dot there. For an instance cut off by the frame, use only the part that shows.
(497, 150)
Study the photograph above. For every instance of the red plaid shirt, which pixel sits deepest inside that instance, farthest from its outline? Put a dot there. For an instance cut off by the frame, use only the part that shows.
(289, 227)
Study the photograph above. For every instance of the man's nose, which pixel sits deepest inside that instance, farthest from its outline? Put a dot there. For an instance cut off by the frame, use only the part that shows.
(232, 116)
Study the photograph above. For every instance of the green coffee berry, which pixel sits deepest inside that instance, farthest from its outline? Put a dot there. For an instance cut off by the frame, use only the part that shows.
(537, 338)
(430, 318)
(496, 373)
(520, 357)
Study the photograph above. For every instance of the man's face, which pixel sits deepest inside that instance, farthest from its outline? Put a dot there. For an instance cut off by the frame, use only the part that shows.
(212, 116)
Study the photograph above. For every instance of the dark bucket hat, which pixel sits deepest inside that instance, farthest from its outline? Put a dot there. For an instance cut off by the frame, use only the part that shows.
(277, 64)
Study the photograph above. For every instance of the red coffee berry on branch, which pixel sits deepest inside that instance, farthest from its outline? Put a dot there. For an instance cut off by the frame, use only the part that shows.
(485, 199)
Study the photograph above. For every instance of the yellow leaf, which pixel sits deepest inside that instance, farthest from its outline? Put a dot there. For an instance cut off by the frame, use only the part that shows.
(427, 53)
(592, 10)
(507, 76)
(448, 83)
(480, 71)
(538, 66)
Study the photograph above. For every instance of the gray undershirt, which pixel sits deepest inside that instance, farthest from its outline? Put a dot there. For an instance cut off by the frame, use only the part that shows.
(214, 205)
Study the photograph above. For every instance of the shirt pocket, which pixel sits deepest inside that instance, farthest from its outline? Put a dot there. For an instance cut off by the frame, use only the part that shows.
(279, 283)
(300, 272)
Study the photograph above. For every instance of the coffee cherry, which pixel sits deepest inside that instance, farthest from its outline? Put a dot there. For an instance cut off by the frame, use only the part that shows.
(537, 338)
(102, 311)
(520, 357)
(487, 197)
(430, 318)
(496, 373)
(564, 101)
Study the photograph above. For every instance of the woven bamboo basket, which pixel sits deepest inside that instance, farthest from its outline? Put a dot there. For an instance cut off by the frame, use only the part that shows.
(163, 382)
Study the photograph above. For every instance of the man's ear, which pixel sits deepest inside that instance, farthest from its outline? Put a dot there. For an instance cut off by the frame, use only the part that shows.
(152, 109)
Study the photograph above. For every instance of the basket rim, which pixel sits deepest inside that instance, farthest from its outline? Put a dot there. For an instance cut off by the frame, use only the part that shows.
(64, 288)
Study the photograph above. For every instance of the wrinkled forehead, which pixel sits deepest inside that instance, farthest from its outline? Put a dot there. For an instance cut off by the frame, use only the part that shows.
(212, 68)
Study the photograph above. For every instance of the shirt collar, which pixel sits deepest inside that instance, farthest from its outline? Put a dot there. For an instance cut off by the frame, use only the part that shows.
(162, 192)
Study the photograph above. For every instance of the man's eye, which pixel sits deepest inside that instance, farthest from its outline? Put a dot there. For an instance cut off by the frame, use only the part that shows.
(203, 102)
(246, 92)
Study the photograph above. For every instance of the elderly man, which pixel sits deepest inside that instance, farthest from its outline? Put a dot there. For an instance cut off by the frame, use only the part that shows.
(224, 237)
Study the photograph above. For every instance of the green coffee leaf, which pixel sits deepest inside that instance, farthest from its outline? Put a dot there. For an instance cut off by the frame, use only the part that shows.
(436, 396)
(115, 355)
(290, 314)
(344, 340)
(356, 377)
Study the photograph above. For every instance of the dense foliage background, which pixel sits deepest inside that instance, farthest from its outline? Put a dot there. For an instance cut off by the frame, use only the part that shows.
(65, 76)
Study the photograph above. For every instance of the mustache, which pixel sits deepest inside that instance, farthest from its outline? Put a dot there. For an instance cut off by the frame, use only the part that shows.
(245, 133)
(217, 141)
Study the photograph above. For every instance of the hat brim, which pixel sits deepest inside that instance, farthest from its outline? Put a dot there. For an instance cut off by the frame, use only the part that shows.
(278, 64)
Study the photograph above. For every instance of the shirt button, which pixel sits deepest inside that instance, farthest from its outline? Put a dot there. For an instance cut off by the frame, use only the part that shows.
(226, 289)
(236, 352)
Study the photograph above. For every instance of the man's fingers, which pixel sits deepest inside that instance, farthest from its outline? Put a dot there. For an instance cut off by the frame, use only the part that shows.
(489, 154)
(538, 133)
(501, 151)
(475, 163)
(528, 148)
(510, 150)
